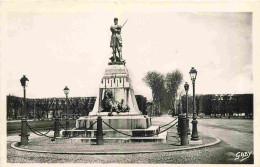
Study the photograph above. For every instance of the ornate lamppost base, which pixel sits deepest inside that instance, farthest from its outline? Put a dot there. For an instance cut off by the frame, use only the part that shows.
(24, 135)
(194, 135)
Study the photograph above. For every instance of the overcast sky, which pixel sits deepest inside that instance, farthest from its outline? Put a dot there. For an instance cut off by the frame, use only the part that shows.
(56, 48)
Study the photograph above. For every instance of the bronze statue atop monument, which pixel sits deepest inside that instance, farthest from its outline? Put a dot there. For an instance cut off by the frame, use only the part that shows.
(116, 42)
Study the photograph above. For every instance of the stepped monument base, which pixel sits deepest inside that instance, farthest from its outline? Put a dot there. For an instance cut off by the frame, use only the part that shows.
(117, 106)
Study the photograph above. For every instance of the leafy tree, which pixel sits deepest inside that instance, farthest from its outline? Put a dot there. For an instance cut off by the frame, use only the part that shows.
(14, 106)
(216, 102)
(198, 104)
(155, 81)
(236, 100)
(12, 102)
(173, 81)
(207, 104)
(164, 89)
(225, 101)
(249, 103)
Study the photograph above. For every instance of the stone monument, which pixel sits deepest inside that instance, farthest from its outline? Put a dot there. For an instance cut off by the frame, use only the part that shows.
(116, 103)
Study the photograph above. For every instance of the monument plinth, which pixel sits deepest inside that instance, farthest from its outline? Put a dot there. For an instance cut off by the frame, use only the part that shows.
(116, 104)
(117, 82)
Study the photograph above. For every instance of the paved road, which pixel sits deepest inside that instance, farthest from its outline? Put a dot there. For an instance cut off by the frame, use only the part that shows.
(238, 133)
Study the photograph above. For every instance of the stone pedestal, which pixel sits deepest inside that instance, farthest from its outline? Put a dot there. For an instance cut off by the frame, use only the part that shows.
(116, 79)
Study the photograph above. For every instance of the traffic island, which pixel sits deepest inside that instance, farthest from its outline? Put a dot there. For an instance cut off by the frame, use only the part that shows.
(45, 145)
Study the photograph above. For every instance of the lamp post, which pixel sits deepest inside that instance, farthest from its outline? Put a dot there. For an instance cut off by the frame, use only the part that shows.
(194, 135)
(66, 91)
(24, 135)
(186, 87)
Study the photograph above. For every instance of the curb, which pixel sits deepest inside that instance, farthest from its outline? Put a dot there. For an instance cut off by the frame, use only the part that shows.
(14, 146)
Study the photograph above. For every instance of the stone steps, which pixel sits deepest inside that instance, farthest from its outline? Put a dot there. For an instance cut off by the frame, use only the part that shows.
(116, 121)
(161, 138)
(110, 133)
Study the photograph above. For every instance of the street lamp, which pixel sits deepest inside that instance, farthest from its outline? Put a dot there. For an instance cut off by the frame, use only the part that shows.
(186, 87)
(66, 91)
(194, 135)
(24, 135)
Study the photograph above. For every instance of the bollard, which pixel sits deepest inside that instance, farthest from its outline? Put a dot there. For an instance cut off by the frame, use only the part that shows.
(183, 131)
(178, 126)
(56, 128)
(67, 124)
(24, 135)
(99, 134)
(188, 126)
